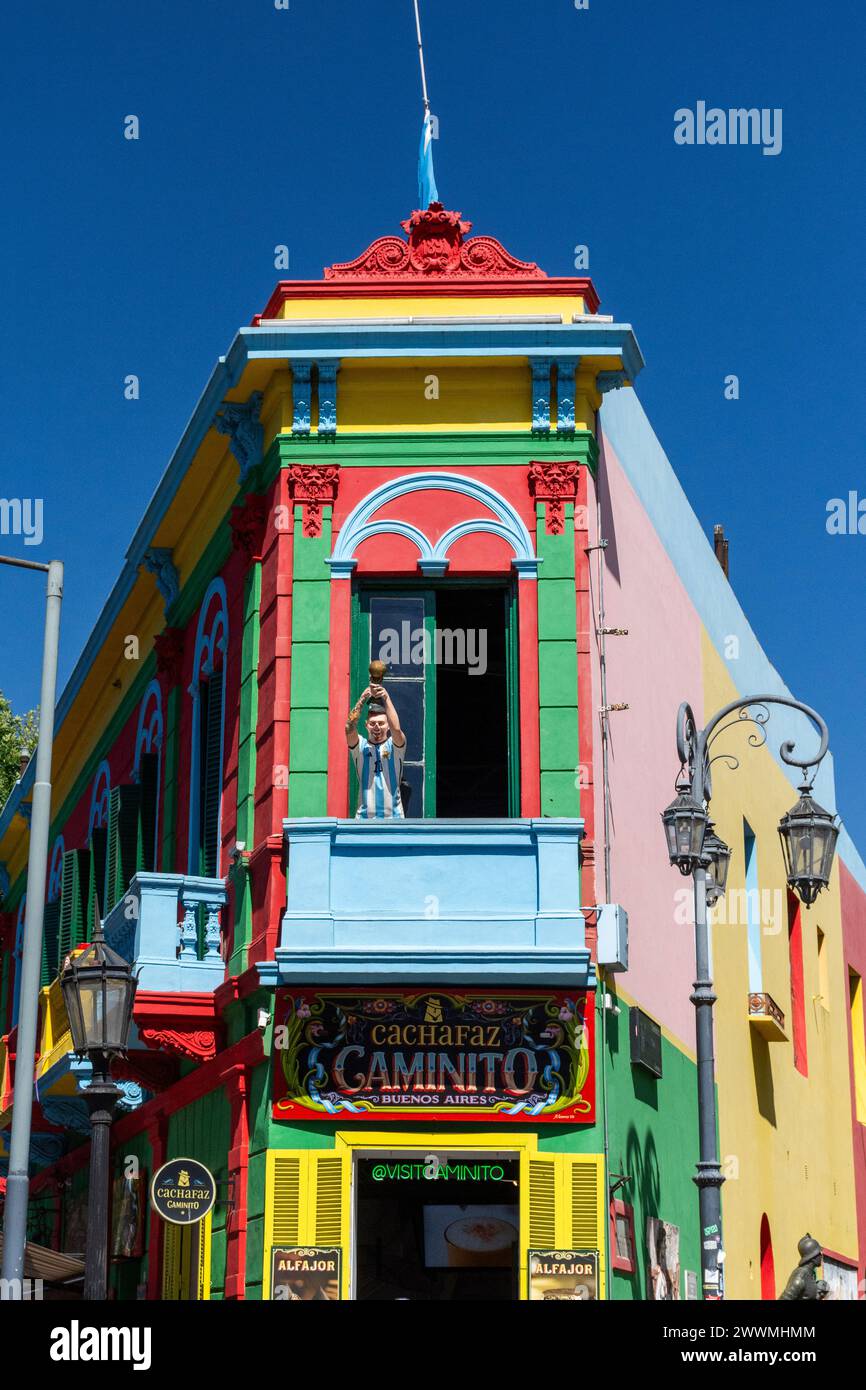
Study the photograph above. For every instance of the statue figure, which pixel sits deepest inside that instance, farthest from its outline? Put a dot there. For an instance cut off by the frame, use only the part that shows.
(802, 1283)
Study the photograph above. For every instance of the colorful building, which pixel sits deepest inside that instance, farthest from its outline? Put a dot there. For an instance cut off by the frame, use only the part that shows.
(425, 1047)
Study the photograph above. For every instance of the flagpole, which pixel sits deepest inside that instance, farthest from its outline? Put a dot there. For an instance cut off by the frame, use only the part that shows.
(421, 59)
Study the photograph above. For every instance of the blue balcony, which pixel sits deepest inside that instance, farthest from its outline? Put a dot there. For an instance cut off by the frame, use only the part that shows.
(168, 927)
(492, 902)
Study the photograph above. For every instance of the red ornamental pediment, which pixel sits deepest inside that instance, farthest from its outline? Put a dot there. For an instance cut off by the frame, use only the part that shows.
(436, 247)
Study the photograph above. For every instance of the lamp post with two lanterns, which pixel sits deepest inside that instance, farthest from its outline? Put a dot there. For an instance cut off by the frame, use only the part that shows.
(808, 834)
(98, 991)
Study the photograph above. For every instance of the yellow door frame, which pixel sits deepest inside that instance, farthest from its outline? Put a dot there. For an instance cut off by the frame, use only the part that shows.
(556, 1208)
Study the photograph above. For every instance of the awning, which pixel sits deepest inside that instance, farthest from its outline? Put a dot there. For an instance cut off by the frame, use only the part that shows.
(49, 1265)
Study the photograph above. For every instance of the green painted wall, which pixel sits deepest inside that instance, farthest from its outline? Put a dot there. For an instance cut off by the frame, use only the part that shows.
(557, 667)
(311, 625)
(203, 1131)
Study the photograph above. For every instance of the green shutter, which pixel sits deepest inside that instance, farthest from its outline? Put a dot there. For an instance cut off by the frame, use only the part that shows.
(149, 785)
(98, 857)
(50, 942)
(74, 901)
(210, 773)
(124, 841)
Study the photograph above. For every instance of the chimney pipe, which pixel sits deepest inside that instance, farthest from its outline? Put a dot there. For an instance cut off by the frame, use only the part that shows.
(720, 545)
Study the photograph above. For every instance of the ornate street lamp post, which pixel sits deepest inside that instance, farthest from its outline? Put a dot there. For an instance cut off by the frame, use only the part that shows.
(808, 834)
(98, 991)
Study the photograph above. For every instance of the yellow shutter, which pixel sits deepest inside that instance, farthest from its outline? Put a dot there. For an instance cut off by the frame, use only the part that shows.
(203, 1258)
(326, 1200)
(170, 1262)
(581, 1216)
(286, 1205)
(561, 1208)
(541, 1214)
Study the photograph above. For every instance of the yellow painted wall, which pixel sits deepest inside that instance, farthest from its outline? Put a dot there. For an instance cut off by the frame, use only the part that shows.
(785, 1138)
(430, 306)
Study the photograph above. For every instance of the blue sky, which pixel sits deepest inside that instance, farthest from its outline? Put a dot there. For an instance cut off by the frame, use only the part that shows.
(262, 126)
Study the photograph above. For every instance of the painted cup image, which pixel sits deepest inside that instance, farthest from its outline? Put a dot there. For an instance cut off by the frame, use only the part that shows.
(480, 1242)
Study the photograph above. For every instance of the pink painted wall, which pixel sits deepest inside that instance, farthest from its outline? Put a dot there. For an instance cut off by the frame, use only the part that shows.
(653, 670)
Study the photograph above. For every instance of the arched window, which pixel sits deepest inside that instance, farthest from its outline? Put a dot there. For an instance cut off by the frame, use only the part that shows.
(208, 726)
(147, 770)
(768, 1268)
(99, 799)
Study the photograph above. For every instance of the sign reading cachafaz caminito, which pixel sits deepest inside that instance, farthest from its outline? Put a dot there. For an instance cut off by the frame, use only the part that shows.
(400, 1054)
(183, 1191)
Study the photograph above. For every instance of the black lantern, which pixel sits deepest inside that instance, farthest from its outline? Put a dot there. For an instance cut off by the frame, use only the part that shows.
(98, 991)
(717, 857)
(685, 823)
(808, 834)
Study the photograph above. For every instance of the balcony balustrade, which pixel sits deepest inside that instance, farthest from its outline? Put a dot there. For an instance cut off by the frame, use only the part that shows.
(168, 927)
(473, 901)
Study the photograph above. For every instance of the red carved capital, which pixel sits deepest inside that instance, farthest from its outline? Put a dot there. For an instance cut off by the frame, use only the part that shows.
(248, 523)
(315, 485)
(168, 646)
(198, 1043)
(555, 483)
(181, 1023)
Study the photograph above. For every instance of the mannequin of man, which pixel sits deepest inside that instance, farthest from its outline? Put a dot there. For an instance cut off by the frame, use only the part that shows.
(378, 758)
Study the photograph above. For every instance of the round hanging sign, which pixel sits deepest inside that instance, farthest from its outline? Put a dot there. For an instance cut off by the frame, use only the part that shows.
(183, 1191)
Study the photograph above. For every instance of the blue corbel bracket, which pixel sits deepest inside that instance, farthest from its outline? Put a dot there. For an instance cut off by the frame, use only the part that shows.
(241, 422)
(328, 399)
(25, 811)
(540, 367)
(157, 560)
(565, 372)
(610, 381)
(301, 396)
(4, 881)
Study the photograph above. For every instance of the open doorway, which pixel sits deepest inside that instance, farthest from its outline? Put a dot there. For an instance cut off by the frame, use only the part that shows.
(449, 1237)
(451, 653)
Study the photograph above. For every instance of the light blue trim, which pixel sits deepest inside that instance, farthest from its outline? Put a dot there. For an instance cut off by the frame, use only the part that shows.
(98, 817)
(359, 526)
(328, 397)
(302, 396)
(55, 870)
(143, 928)
(540, 370)
(146, 738)
(322, 340)
(565, 394)
(157, 560)
(207, 641)
(241, 422)
(485, 901)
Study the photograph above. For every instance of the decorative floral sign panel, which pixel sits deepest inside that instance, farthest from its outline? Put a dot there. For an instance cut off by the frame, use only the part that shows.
(401, 1054)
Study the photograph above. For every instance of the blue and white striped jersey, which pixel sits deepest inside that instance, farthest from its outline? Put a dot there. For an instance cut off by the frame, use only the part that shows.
(379, 767)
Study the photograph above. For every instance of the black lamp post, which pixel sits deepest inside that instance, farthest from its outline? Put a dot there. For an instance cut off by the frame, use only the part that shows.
(98, 991)
(808, 834)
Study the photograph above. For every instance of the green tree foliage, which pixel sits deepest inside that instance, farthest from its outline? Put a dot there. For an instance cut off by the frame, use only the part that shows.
(18, 736)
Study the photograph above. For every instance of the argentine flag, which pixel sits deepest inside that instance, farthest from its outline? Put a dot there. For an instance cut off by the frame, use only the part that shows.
(427, 193)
